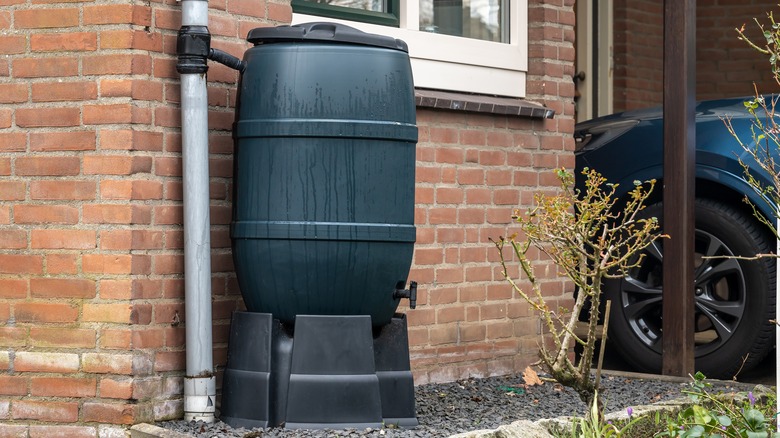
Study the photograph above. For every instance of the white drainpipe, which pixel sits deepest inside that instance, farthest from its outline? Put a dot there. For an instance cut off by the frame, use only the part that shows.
(199, 381)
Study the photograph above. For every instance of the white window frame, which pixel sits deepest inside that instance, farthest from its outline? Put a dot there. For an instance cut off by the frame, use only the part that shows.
(458, 64)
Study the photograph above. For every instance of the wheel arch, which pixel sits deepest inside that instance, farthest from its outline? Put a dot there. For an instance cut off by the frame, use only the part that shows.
(711, 183)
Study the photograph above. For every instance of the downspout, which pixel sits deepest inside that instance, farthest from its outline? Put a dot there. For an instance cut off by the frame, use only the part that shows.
(193, 46)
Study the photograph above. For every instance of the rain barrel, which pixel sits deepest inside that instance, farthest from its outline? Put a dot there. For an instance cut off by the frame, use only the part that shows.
(324, 159)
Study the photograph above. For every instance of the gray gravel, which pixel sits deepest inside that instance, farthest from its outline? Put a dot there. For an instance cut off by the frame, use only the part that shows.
(466, 405)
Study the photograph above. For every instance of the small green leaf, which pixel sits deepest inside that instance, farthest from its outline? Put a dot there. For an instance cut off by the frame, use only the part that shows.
(754, 418)
(724, 420)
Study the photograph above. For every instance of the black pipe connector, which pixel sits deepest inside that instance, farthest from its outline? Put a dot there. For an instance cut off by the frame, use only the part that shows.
(227, 59)
(192, 46)
(410, 293)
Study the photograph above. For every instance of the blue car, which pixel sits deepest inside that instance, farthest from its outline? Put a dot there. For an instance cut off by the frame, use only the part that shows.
(735, 299)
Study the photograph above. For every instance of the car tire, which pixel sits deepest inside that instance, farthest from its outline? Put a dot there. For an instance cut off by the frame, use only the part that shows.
(735, 299)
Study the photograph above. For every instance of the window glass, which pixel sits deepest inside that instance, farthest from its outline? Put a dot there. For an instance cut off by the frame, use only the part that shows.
(366, 5)
(382, 12)
(478, 19)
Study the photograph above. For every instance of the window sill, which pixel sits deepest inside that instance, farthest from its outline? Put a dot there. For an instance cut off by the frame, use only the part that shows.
(480, 104)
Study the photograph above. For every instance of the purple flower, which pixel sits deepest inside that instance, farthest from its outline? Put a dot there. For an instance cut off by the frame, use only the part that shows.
(751, 398)
(629, 411)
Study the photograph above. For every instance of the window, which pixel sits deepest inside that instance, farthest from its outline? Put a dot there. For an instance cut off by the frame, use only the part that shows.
(474, 46)
(370, 11)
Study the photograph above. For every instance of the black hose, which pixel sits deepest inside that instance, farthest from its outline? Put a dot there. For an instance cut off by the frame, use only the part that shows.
(227, 59)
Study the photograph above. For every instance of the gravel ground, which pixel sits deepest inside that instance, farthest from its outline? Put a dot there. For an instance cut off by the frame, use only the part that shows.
(466, 405)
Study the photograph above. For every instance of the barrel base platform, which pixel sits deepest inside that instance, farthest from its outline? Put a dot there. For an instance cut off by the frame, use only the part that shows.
(334, 372)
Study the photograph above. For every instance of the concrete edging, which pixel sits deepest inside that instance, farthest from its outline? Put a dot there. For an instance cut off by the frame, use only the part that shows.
(145, 430)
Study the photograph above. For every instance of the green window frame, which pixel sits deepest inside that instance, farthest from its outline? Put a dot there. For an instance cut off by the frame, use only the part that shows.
(389, 18)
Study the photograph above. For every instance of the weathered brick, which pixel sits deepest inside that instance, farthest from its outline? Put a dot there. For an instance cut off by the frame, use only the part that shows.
(63, 239)
(13, 141)
(62, 337)
(47, 117)
(45, 312)
(48, 214)
(46, 362)
(63, 412)
(63, 42)
(169, 361)
(119, 313)
(46, 18)
(13, 385)
(117, 165)
(135, 190)
(118, 64)
(13, 239)
(131, 39)
(116, 264)
(150, 338)
(47, 166)
(13, 288)
(13, 93)
(21, 264)
(131, 239)
(62, 190)
(61, 66)
(117, 388)
(57, 264)
(60, 431)
(108, 413)
(63, 91)
(103, 363)
(10, 430)
(63, 386)
(62, 288)
(117, 214)
(12, 44)
(131, 140)
(117, 14)
(115, 339)
(168, 264)
(12, 336)
(63, 141)
(107, 114)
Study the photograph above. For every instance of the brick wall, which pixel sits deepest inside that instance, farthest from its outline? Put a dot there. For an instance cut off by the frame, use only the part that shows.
(472, 171)
(91, 284)
(725, 66)
(91, 288)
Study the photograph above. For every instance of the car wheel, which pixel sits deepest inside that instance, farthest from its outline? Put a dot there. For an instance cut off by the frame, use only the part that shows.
(734, 299)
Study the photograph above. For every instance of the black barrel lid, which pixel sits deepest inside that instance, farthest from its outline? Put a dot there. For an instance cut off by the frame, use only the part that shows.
(322, 32)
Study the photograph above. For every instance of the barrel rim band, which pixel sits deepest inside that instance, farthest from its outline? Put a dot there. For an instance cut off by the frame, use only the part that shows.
(346, 231)
(295, 127)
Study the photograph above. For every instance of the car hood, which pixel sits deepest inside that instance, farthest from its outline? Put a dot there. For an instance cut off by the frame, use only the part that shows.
(707, 109)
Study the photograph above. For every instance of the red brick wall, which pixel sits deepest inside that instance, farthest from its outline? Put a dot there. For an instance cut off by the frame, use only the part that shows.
(91, 284)
(91, 288)
(472, 171)
(725, 66)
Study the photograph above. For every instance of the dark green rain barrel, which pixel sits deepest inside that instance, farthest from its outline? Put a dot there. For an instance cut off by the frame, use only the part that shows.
(323, 207)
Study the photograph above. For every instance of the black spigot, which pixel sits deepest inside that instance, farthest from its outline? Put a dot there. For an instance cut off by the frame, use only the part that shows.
(410, 293)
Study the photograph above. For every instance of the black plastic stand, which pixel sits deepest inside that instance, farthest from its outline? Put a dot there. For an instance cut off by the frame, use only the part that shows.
(335, 372)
